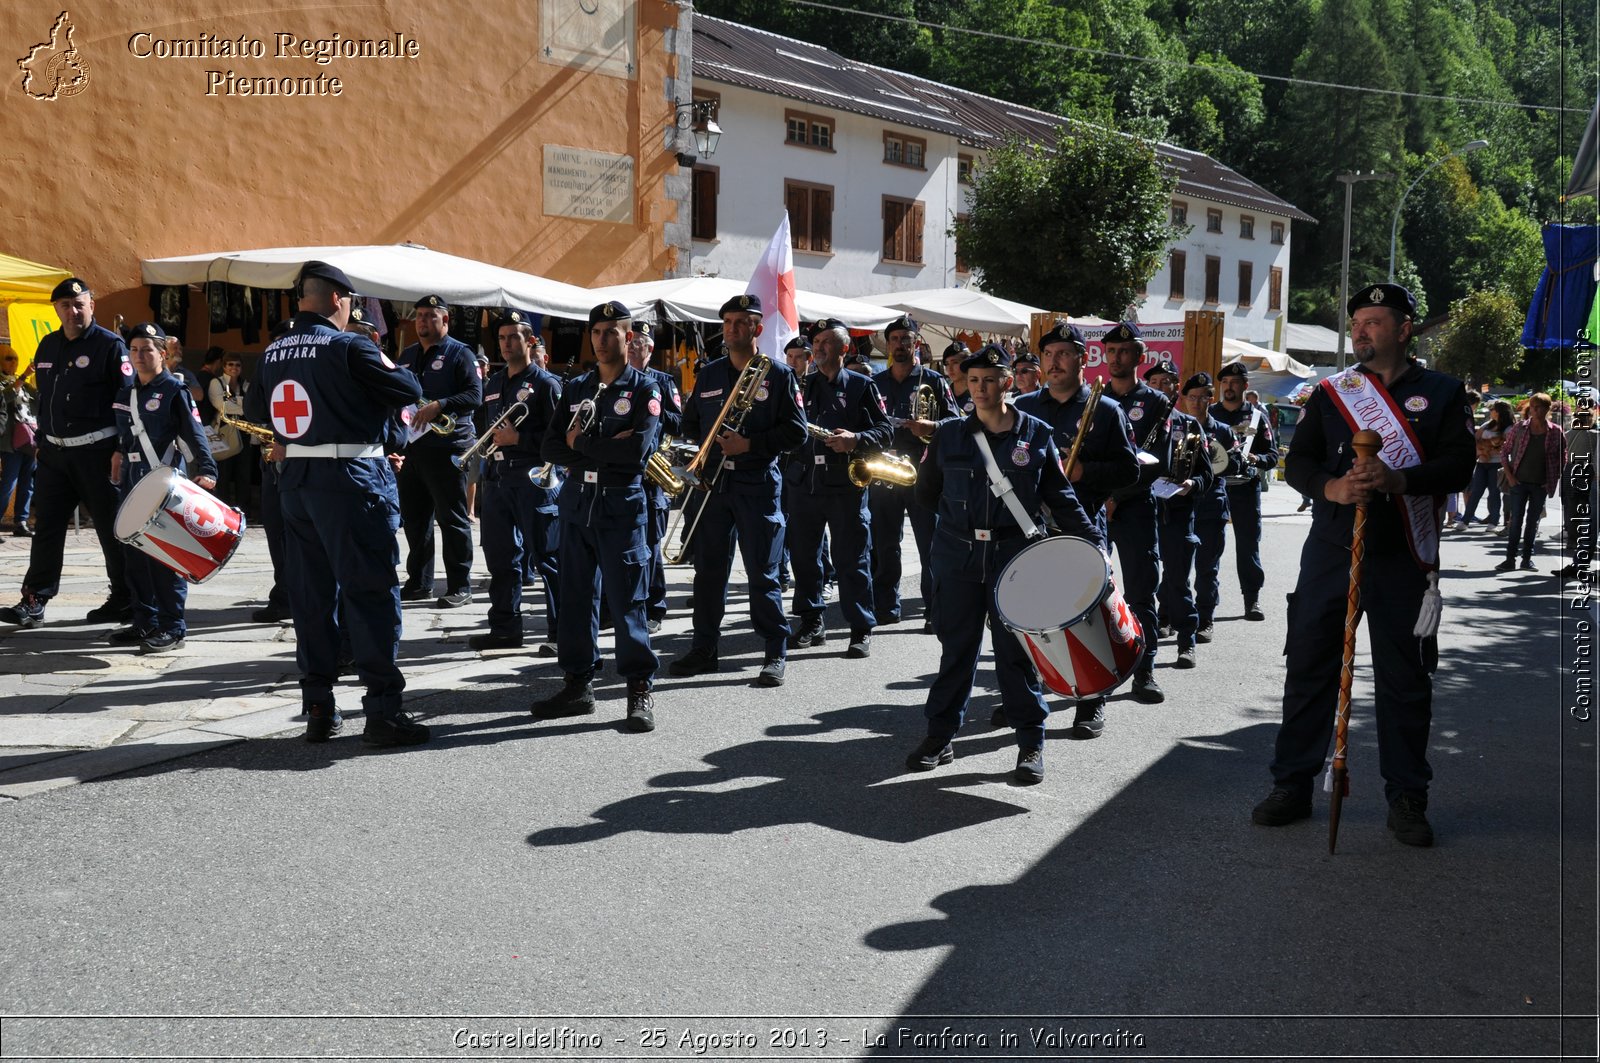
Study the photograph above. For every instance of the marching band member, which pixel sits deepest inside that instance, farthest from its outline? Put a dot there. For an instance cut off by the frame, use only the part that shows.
(827, 503)
(158, 424)
(79, 369)
(890, 505)
(1210, 509)
(953, 356)
(1189, 479)
(640, 350)
(1258, 455)
(512, 504)
(329, 396)
(745, 497)
(431, 486)
(1424, 419)
(1025, 370)
(976, 534)
(1132, 521)
(605, 428)
(1105, 461)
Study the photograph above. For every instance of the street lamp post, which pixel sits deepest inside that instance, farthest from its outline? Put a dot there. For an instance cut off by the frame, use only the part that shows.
(1394, 226)
(1349, 179)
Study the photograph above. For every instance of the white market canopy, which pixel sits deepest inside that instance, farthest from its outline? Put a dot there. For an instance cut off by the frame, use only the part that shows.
(404, 272)
(701, 299)
(1262, 359)
(1317, 338)
(961, 309)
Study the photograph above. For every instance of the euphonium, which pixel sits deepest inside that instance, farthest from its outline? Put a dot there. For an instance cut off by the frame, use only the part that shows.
(249, 428)
(925, 403)
(1186, 452)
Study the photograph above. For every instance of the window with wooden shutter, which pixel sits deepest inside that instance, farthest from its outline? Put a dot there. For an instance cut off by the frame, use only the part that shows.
(822, 219)
(810, 216)
(703, 207)
(1247, 281)
(1275, 289)
(902, 230)
(1213, 278)
(1178, 260)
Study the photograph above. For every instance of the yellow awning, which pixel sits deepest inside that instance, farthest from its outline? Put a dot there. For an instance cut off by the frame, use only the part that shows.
(25, 301)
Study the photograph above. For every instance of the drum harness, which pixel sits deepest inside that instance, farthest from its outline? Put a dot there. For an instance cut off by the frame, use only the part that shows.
(1002, 489)
(144, 439)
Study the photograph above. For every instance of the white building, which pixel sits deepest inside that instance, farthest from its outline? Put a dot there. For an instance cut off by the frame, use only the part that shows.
(873, 167)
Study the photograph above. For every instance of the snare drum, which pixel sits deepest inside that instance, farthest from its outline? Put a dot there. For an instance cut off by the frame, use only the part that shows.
(180, 524)
(1056, 595)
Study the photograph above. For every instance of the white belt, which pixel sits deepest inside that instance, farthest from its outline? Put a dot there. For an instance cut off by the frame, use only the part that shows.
(334, 450)
(81, 441)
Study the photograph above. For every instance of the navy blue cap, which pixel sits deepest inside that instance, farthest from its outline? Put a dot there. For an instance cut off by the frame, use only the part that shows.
(824, 325)
(955, 350)
(324, 271)
(1025, 358)
(1123, 333)
(514, 317)
(800, 343)
(990, 356)
(607, 312)
(1392, 296)
(1063, 332)
(70, 288)
(1199, 380)
(147, 331)
(1161, 367)
(741, 304)
(1233, 369)
(358, 318)
(903, 323)
(433, 302)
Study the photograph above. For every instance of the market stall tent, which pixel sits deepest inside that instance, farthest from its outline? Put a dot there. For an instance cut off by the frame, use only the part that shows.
(701, 299)
(25, 294)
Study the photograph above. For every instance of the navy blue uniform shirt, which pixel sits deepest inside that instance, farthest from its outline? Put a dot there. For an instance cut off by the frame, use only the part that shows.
(630, 408)
(448, 373)
(851, 402)
(1107, 455)
(1179, 425)
(774, 424)
(1213, 505)
(542, 392)
(1146, 410)
(1263, 453)
(171, 424)
(78, 381)
(897, 397)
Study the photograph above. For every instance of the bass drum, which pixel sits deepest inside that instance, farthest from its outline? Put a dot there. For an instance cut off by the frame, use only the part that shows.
(180, 524)
(1058, 598)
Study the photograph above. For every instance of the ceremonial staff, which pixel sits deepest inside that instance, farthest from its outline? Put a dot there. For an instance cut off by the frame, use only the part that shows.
(1366, 444)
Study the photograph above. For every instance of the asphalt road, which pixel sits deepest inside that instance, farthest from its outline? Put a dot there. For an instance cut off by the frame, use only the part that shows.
(759, 878)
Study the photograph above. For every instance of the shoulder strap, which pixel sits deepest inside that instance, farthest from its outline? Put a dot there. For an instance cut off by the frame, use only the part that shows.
(1002, 489)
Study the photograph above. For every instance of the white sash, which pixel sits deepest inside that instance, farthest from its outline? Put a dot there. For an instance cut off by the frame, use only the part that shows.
(1364, 403)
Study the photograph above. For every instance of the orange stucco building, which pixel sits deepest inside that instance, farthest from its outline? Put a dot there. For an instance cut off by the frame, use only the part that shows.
(533, 134)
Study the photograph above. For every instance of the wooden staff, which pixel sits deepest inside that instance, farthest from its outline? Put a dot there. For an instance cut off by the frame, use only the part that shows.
(1366, 444)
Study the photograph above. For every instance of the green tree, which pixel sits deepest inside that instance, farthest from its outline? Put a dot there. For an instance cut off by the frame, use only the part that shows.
(1482, 342)
(1080, 226)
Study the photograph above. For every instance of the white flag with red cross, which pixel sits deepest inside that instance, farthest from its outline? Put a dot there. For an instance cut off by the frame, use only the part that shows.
(773, 282)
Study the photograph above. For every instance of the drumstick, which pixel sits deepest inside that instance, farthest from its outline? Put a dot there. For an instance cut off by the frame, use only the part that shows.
(1366, 444)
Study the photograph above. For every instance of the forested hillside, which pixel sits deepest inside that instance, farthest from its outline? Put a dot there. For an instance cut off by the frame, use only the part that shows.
(1255, 84)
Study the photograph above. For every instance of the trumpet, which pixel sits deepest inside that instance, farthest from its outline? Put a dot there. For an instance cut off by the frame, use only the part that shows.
(545, 477)
(888, 467)
(443, 424)
(484, 446)
(741, 398)
(249, 428)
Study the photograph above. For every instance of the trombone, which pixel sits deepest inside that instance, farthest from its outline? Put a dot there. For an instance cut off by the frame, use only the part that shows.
(741, 398)
(1085, 419)
(484, 446)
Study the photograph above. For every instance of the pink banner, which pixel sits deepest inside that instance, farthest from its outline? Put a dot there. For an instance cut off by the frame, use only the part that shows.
(1162, 341)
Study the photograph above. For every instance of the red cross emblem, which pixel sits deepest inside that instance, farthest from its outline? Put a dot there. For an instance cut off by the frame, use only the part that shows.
(291, 410)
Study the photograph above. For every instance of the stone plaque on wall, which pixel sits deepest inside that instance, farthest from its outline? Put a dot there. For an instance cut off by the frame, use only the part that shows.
(591, 185)
(591, 34)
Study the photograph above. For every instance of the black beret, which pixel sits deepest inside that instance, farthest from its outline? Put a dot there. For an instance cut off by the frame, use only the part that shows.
(514, 317)
(799, 342)
(1159, 368)
(147, 331)
(358, 317)
(853, 357)
(612, 311)
(903, 323)
(1391, 295)
(324, 271)
(1123, 333)
(1025, 358)
(824, 325)
(1063, 332)
(741, 304)
(1233, 369)
(70, 288)
(955, 350)
(1199, 380)
(991, 356)
(433, 302)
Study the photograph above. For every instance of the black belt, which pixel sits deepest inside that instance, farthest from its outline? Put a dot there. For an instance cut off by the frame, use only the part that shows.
(989, 535)
(604, 480)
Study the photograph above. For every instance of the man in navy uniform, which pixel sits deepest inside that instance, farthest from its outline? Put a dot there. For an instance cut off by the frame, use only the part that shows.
(329, 396)
(977, 533)
(953, 356)
(79, 368)
(1105, 462)
(1258, 455)
(1025, 371)
(745, 496)
(511, 502)
(432, 487)
(1210, 509)
(898, 384)
(158, 425)
(1132, 521)
(1189, 479)
(641, 348)
(605, 428)
(1429, 452)
(826, 503)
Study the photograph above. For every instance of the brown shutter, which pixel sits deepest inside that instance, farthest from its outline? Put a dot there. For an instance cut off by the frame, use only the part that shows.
(916, 232)
(798, 203)
(822, 219)
(891, 228)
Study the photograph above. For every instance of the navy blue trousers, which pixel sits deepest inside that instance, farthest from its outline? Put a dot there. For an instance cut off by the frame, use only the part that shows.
(433, 489)
(1213, 535)
(158, 594)
(340, 557)
(758, 520)
(1133, 533)
(1178, 546)
(890, 507)
(1244, 505)
(511, 528)
(655, 530)
(840, 521)
(1391, 595)
(64, 479)
(614, 561)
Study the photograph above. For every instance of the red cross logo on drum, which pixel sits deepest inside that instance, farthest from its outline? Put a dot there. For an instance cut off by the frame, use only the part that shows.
(291, 410)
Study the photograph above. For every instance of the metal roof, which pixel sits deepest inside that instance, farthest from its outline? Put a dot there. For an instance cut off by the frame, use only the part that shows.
(731, 54)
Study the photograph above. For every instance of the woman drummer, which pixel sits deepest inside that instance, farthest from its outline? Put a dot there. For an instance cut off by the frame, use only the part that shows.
(157, 424)
(976, 535)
